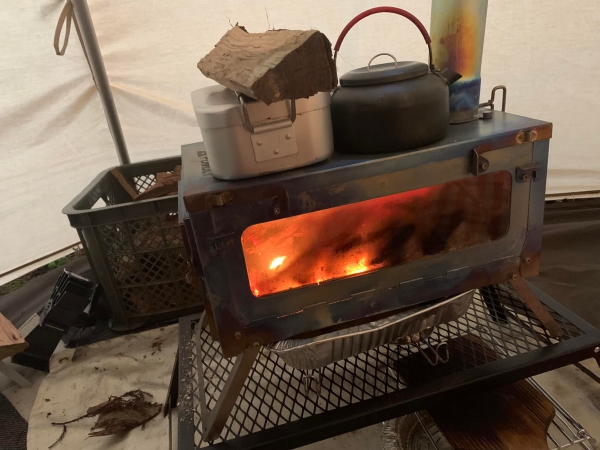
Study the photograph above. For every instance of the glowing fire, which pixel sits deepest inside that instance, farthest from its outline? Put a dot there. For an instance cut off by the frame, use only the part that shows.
(361, 237)
(277, 262)
(359, 267)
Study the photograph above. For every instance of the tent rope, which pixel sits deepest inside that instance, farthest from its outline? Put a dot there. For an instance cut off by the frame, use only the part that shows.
(66, 16)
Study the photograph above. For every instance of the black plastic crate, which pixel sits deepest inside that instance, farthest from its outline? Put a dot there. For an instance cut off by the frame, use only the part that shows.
(135, 249)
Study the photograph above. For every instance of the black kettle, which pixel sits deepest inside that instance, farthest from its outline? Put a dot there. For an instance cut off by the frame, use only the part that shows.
(390, 107)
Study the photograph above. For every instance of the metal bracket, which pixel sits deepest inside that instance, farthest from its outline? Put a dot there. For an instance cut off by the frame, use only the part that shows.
(274, 144)
(526, 173)
(221, 199)
(479, 163)
(207, 201)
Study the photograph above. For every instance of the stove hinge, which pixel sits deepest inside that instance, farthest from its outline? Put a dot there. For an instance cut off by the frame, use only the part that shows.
(220, 241)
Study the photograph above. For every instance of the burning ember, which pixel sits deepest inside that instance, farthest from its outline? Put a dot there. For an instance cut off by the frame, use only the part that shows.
(277, 262)
(383, 232)
(359, 267)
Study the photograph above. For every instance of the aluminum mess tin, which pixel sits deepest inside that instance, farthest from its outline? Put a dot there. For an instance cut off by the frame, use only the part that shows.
(313, 353)
(245, 138)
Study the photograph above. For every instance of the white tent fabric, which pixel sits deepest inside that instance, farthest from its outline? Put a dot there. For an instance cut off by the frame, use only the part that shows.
(54, 137)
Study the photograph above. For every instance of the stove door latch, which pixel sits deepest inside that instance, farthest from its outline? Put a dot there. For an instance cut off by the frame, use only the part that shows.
(528, 172)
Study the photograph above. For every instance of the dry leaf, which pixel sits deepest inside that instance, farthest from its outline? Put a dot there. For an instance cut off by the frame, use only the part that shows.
(119, 414)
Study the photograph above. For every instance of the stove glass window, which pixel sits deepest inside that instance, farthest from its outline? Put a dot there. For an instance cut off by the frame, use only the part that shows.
(357, 238)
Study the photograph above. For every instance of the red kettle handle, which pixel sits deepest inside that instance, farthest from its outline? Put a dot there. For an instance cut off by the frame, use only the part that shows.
(381, 9)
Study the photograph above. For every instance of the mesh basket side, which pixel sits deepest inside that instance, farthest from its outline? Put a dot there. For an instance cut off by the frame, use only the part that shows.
(149, 264)
(140, 261)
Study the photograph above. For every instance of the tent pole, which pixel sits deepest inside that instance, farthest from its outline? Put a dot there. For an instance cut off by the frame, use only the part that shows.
(91, 47)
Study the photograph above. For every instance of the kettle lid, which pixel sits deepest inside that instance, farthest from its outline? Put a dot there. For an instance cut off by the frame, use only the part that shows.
(384, 73)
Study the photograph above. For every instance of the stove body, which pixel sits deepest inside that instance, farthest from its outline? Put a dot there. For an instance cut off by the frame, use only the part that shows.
(359, 237)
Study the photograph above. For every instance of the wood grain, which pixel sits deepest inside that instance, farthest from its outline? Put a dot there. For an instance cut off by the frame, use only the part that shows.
(125, 183)
(11, 341)
(272, 66)
(513, 417)
(166, 184)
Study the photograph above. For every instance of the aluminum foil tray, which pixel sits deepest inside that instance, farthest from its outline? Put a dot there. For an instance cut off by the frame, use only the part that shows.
(313, 353)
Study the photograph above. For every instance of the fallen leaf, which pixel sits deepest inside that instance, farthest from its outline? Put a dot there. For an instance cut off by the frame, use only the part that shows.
(119, 414)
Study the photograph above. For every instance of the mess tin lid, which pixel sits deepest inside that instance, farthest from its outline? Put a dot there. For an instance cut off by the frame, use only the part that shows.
(384, 73)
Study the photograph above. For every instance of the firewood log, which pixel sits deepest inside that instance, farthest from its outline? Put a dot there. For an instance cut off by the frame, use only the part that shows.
(272, 66)
(11, 341)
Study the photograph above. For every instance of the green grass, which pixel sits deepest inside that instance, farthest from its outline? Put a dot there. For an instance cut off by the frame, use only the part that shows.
(22, 281)
(59, 262)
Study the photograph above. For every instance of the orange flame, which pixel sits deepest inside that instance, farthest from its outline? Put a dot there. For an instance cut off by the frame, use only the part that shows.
(359, 267)
(358, 238)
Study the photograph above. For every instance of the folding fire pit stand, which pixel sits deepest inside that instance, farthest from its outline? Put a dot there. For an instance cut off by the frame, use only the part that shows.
(273, 410)
(216, 418)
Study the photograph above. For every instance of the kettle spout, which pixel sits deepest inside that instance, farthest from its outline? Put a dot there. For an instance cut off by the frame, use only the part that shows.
(450, 76)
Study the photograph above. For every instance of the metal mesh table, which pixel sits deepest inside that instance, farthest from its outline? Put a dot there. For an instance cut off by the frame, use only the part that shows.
(564, 431)
(281, 407)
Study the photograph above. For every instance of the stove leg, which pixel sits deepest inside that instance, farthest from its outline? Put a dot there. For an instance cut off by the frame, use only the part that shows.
(537, 307)
(215, 420)
(490, 296)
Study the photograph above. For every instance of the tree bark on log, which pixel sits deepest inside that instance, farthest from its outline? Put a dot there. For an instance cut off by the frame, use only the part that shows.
(272, 66)
(11, 341)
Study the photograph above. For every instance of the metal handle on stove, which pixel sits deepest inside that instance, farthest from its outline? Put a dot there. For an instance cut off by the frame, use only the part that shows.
(490, 102)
